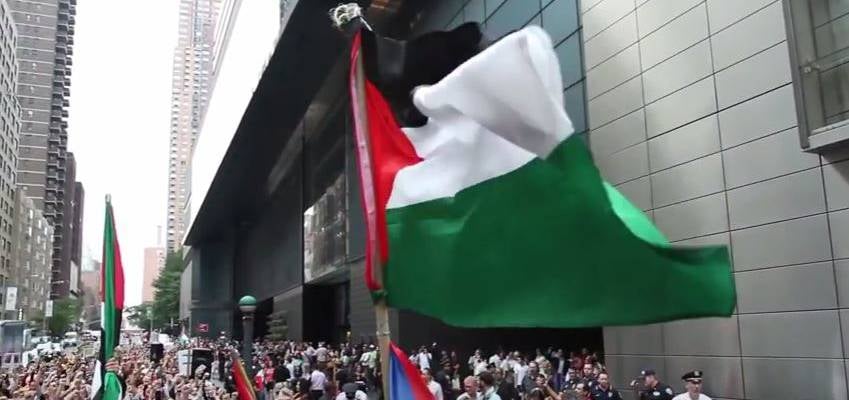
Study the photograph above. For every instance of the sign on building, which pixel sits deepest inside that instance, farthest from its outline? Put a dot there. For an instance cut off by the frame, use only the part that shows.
(11, 298)
(48, 308)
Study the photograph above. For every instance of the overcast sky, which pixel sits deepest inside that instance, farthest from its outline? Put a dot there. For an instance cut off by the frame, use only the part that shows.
(119, 121)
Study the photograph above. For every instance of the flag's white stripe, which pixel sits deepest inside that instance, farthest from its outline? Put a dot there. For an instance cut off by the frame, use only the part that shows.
(96, 382)
(468, 156)
(488, 117)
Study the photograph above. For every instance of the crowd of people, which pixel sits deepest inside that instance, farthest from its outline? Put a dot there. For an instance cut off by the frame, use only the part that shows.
(288, 370)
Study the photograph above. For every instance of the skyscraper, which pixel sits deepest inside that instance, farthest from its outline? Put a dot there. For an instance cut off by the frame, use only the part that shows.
(44, 49)
(9, 132)
(189, 96)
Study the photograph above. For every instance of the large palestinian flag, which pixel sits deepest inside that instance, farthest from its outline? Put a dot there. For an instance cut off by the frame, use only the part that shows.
(106, 385)
(484, 207)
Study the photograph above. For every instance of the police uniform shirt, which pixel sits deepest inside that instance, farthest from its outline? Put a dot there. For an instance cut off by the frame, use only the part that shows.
(685, 396)
(609, 394)
(660, 392)
(591, 384)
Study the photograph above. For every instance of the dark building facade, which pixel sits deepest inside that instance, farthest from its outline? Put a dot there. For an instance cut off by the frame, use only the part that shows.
(76, 230)
(286, 226)
(67, 243)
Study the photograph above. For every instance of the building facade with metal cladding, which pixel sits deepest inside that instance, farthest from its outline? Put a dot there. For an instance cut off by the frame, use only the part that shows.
(724, 120)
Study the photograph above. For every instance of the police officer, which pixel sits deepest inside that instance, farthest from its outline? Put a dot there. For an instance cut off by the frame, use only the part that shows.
(603, 391)
(654, 389)
(693, 383)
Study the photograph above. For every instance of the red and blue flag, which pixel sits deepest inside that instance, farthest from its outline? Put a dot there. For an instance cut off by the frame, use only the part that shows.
(405, 380)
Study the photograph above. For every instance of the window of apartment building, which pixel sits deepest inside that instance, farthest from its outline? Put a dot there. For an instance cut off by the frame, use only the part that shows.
(819, 49)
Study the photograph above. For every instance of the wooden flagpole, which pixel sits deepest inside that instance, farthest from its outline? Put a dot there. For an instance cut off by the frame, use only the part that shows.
(381, 310)
(341, 16)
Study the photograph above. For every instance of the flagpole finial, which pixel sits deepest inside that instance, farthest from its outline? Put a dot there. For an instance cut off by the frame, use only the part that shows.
(344, 14)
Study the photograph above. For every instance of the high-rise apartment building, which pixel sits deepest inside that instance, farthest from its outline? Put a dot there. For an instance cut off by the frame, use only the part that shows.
(31, 256)
(44, 48)
(154, 261)
(189, 97)
(9, 132)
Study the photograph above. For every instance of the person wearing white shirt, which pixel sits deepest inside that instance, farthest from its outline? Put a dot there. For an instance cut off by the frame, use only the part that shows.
(423, 359)
(693, 382)
(321, 353)
(520, 369)
(495, 359)
(474, 359)
(480, 366)
(434, 388)
(317, 382)
(369, 358)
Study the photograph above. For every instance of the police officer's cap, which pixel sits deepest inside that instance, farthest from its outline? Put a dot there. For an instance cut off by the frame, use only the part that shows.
(693, 376)
(647, 372)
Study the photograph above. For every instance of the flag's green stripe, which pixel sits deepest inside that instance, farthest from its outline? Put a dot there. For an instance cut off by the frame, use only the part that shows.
(110, 334)
(633, 217)
(112, 389)
(543, 246)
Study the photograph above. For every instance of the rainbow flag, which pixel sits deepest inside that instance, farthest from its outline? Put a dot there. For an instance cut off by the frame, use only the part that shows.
(405, 380)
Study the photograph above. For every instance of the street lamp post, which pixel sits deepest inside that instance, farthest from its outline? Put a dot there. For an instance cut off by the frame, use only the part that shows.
(247, 305)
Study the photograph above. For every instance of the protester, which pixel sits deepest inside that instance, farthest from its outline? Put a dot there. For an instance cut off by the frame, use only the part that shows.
(434, 388)
(488, 388)
(470, 387)
(350, 391)
(288, 370)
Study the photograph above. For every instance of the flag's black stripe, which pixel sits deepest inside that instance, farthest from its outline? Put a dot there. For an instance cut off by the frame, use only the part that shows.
(116, 327)
(396, 67)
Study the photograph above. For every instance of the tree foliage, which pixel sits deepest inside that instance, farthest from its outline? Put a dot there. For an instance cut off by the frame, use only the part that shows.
(139, 315)
(166, 299)
(66, 313)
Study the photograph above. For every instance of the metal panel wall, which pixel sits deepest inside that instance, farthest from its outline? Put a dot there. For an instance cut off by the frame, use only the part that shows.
(702, 135)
